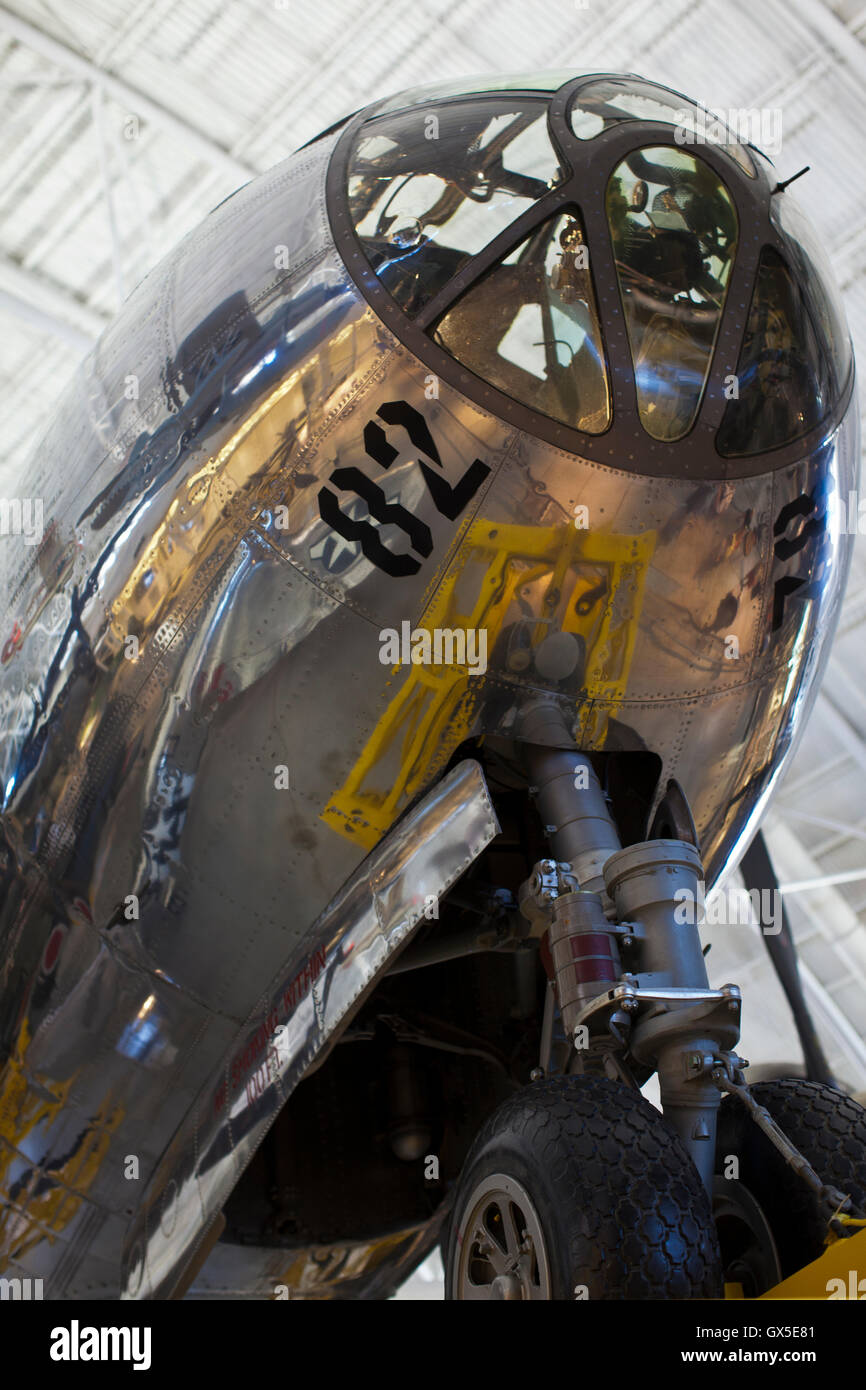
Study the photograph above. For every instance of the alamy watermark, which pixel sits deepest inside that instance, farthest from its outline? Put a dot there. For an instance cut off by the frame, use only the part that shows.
(439, 646)
(848, 518)
(18, 1289)
(710, 125)
(22, 516)
(730, 907)
(77, 1343)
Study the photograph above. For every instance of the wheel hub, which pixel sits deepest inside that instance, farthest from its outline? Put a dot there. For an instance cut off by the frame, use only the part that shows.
(749, 1254)
(502, 1250)
(506, 1286)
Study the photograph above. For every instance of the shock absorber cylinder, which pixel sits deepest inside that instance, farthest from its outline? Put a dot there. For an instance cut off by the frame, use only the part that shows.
(584, 951)
(677, 1030)
(568, 795)
(646, 882)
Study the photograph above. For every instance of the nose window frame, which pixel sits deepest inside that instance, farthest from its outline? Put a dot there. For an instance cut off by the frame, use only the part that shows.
(673, 255)
(587, 164)
(427, 187)
(557, 363)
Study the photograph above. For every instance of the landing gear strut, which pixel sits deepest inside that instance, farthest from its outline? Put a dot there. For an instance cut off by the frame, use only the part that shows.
(577, 1187)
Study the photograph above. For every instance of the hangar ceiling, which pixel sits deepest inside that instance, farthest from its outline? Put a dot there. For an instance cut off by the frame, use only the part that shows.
(123, 125)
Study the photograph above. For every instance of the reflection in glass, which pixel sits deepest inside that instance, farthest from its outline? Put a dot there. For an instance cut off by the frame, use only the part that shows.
(611, 100)
(674, 231)
(485, 82)
(788, 373)
(530, 327)
(429, 188)
(811, 268)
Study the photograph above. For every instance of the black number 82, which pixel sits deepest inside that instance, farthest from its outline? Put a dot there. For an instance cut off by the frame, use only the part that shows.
(450, 501)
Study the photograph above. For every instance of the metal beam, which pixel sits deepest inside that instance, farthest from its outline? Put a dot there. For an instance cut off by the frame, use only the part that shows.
(46, 323)
(834, 32)
(123, 92)
(846, 832)
(844, 728)
(43, 301)
(808, 885)
(830, 1016)
(845, 1037)
(97, 106)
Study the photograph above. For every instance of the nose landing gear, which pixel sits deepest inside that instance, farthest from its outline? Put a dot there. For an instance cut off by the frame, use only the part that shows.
(577, 1187)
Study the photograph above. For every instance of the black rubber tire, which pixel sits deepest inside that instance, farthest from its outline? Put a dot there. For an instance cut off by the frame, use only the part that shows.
(622, 1208)
(828, 1128)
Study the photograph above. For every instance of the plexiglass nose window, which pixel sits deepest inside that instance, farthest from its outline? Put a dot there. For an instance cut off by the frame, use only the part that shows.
(530, 327)
(611, 100)
(793, 364)
(811, 267)
(430, 187)
(674, 231)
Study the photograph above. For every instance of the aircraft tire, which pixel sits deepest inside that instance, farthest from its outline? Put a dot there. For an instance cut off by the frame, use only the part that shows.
(577, 1189)
(828, 1128)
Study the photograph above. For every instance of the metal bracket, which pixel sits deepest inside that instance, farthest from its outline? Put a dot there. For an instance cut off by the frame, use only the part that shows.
(548, 881)
(629, 997)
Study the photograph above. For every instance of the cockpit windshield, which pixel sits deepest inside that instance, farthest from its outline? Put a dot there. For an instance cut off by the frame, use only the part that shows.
(435, 184)
(608, 101)
(428, 188)
(530, 327)
(674, 230)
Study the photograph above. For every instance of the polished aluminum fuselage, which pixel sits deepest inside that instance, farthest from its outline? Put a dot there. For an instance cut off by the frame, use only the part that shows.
(197, 845)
